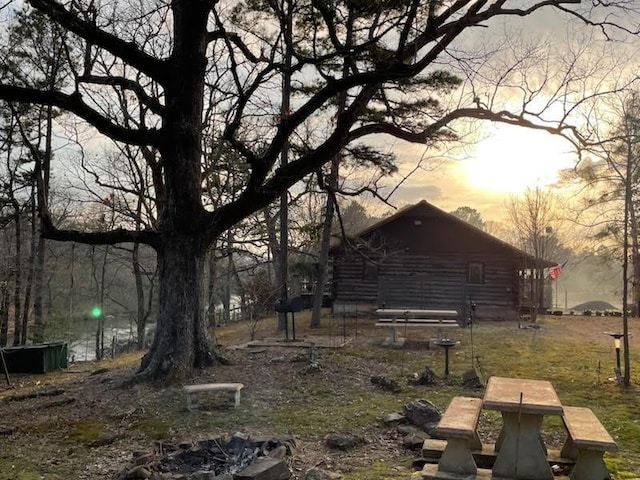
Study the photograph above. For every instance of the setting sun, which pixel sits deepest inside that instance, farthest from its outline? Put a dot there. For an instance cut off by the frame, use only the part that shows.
(510, 159)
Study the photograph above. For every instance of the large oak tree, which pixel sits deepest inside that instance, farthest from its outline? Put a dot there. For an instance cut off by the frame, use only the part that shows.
(185, 65)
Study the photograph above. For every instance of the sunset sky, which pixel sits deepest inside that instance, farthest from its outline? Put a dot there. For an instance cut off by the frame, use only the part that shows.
(505, 162)
(499, 160)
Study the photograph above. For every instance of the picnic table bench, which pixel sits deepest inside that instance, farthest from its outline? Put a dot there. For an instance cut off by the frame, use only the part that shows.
(410, 318)
(587, 440)
(459, 426)
(519, 452)
(191, 390)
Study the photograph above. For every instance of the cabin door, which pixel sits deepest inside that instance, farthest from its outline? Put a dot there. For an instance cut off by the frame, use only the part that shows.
(404, 291)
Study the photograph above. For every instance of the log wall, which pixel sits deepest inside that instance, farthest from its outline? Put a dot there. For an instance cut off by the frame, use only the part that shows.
(427, 281)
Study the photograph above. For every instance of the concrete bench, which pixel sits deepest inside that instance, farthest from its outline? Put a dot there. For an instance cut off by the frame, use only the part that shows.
(417, 322)
(459, 426)
(587, 440)
(407, 318)
(408, 313)
(191, 390)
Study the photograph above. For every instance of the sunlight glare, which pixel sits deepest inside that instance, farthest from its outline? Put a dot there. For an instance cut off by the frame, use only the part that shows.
(512, 158)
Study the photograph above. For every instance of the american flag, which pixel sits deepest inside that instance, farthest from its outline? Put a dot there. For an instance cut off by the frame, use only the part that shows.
(556, 270)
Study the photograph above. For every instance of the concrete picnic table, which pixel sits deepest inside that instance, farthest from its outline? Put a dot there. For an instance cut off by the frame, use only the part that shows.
(523, 404)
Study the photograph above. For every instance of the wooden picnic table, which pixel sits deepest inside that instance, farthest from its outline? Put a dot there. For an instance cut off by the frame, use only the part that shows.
(523, 404)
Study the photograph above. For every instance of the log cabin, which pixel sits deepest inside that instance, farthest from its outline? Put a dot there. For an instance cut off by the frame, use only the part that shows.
(425, 258)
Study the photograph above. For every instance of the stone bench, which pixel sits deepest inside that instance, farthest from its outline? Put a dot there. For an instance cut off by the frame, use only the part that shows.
(416, 322)
(587, 440)
(191, 390)
(459, 426)
(399, 318)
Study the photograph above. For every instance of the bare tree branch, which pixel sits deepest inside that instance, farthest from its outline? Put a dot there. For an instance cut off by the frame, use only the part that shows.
(74, 104)
(127, 51)
(154, 105)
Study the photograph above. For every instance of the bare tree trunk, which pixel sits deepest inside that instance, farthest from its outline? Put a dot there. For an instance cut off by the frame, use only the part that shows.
(283, 258)
(625, 265)
(211, 284)
(635, 259)
(30, 275)
(332, 183)
(228, 276)
(43, 170)
(140, 303)
(71, 280)
(4, 314)
(325, 243)
(181, 340)
(99, 296)
(238, 280)
(38, 330)
(17, 281)
(534, 308)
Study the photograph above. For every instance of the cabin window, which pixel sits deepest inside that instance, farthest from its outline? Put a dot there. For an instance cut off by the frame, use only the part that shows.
(476, 272)
(370, 271)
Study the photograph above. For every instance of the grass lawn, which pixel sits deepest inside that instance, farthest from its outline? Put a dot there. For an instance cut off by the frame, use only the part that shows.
(91, 430)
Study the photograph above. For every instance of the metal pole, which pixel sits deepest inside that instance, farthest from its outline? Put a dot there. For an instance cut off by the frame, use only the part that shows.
(286, 324)
(446, 361)
(618, 359)
(293, 325)
(4, 367)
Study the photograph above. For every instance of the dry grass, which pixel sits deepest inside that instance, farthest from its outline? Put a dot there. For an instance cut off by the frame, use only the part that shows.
(106, 418)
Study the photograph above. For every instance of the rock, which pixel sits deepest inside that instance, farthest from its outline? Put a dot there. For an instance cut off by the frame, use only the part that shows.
(393, 418)
(203, 475)
(422, 414)
(279, 452)
(289, 441)
(162, 476)
(185, 445)
(472, 379)
(165, 447)
(237, 442)
(138, 472)
(221, 357)
(265, 468)
(343, 441)
(414, 441)
(99, 371)
(428, 377)
(144, 459)
(316, 473)
(386, 383)
(407, 429)
(301, 357)
(224, 476)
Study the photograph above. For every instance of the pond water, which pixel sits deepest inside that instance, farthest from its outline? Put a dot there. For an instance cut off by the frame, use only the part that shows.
(120, 329)
(82, 338)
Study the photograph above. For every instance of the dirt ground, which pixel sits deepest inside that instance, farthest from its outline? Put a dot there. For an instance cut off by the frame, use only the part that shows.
(87, 422)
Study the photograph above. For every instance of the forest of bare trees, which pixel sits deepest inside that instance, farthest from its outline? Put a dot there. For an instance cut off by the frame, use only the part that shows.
(188, 127)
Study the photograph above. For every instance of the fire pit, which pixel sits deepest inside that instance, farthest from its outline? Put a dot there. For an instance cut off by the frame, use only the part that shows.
(238, 456)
